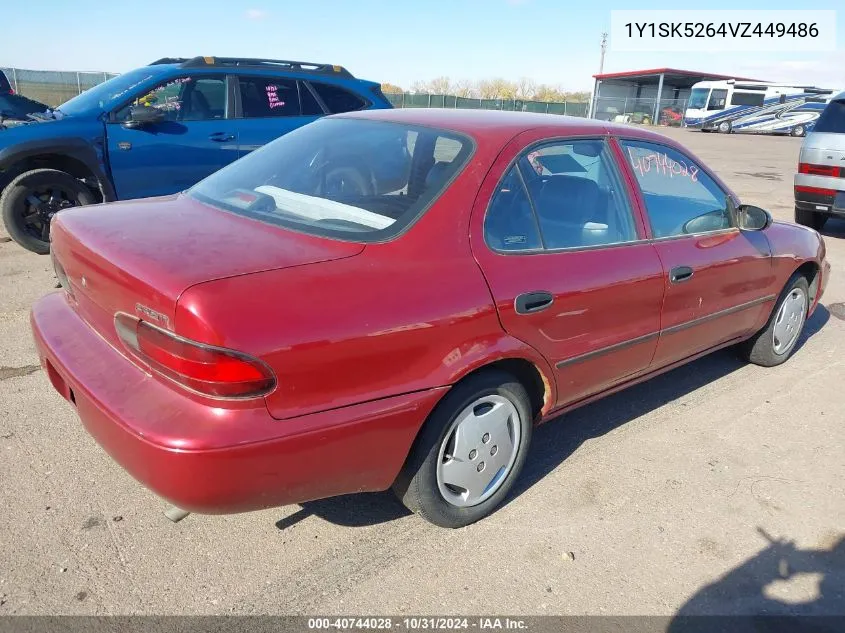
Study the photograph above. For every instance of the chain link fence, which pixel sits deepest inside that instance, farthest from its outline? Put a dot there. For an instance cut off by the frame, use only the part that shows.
(417, 100)
(668, 112)
(53, 87)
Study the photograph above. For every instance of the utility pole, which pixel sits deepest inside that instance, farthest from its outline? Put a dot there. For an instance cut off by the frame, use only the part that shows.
(591, 109)
(603, 50)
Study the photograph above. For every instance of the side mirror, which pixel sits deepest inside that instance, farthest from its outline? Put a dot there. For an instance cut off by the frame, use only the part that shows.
(140, 116)
(751, 218)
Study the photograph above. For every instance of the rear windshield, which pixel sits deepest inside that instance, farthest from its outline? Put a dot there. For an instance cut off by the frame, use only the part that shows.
(351, 179)
(832, 118)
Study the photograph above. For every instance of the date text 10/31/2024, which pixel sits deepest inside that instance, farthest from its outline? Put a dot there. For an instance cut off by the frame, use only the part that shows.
(417, 623)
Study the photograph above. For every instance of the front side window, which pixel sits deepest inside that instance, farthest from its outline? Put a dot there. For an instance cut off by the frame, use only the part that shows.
(346, 178)
(338, 99)
(717, 99)
(265, 97)
(184, 99)
(680, 198)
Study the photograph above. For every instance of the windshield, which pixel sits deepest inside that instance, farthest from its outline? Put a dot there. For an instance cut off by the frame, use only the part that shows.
(107, 94)
(346, 178)
(698, 98)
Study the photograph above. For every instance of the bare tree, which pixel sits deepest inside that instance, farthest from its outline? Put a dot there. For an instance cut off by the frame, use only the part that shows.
(463, 88)
(496, 89)
(526, 88)
(389, 88)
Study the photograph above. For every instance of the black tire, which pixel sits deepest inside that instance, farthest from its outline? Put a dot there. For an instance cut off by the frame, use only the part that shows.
(725, 127)
(31, 228)
(810, 218)
(417, 484)
(798, 131)
(760, 349)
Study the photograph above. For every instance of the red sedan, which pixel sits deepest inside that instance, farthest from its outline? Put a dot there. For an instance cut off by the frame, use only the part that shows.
(394, 298)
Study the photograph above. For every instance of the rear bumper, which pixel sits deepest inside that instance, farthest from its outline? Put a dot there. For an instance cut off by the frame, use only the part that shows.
(820, 194)
(217, 460)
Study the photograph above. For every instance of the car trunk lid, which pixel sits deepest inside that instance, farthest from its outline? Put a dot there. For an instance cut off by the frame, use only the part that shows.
(138, 257)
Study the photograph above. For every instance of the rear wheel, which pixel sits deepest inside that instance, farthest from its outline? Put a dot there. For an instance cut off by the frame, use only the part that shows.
(31, 200)
(470, 451)
(810, 218)
(774, 343)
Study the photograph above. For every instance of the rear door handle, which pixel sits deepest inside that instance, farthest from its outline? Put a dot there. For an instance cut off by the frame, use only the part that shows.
(221, 137)
(680, 273)
(529, 302)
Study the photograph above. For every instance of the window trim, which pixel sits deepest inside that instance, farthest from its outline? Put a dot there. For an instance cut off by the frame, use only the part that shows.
(620, 140)
(229, 108)
(606, 140)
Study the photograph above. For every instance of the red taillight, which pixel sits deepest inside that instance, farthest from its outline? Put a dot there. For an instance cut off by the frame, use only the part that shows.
(206, 369)
(819, 191)
(819, 170)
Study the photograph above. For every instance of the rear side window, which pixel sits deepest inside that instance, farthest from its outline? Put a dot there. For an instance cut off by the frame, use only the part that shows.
(338, 99)
(309, 104)
(748, 98)
(263, 97)
(510, 224)
(346, 178)
(832, 118)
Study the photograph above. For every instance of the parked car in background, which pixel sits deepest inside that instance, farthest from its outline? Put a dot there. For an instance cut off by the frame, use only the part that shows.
(820, 181)
(304, 323)
(160, 129)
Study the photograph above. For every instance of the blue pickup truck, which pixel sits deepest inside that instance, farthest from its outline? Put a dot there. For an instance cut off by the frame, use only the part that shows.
(158, 130)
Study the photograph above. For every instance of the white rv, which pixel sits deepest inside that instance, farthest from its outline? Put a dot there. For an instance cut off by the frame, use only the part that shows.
(755, 107)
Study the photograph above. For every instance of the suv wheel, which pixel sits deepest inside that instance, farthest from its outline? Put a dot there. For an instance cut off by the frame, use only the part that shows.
(809, 218)
(31, 200)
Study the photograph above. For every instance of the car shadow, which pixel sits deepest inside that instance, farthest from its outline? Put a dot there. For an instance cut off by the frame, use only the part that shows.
(757, 596)
(555, 441)
(834, 227)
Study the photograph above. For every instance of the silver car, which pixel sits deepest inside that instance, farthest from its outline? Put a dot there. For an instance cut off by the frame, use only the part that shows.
(820, 181)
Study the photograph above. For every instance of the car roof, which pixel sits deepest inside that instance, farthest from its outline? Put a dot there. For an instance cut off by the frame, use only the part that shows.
(481, 123)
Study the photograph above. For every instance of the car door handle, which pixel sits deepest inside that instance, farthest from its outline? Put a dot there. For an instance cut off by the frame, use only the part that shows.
(680, 273)
(529, 302)
(221, 137)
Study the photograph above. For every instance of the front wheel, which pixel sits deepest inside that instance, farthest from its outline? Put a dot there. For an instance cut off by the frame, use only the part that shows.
(725, 127)
(31, 200)
(774, 343)
(798, 130)
(469, 452)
